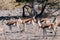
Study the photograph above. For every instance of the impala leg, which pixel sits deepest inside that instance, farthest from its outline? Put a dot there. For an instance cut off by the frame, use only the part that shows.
(44, 33)
(54, 31)
(33, 23)
(24, 27)
(4, 32)
(18, 25)
(10, 27)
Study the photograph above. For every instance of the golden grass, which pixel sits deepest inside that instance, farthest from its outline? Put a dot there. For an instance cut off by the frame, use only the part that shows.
(11, 5)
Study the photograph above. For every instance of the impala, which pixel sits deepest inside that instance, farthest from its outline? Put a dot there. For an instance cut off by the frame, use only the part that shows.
(45, 23)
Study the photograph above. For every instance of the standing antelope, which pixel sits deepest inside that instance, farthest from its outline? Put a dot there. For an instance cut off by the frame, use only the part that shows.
(20, 21)
(24, 21)
(45, 23)
(10, 23)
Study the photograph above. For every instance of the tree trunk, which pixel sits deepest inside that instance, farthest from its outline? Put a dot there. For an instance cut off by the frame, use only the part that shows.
(43, 8)
(23, 14)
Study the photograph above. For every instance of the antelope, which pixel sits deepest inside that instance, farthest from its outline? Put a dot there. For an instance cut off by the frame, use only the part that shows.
(20, 21)
(10, 23)
(45, 23)
(24, 21)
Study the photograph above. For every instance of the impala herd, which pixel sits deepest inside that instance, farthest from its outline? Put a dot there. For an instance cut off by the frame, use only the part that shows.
(42, 23)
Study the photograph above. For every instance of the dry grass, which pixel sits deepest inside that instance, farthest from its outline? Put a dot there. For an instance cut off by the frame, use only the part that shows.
(10, 4)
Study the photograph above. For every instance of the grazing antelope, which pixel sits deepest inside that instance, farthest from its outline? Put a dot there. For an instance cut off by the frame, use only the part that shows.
(45, 23)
